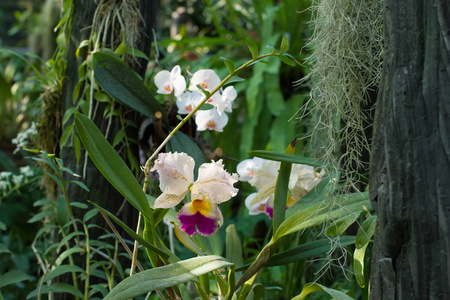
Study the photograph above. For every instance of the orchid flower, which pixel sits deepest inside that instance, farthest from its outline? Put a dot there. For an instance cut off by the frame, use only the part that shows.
(262, 174)
(210, 119)
(170, 81)
(207, 79)
(213, 186)
(187, 102)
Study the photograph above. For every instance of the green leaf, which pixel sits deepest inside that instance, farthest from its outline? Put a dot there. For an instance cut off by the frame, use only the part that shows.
(340, 225)
(252, 47)
(110, 164)
(229, 64)
(282, 190)
(80, 184)
(187, 241)
(315, 287)
(233, 246)
(333, 207)
(119, 137)
(286, 60)
(234, 79)
(285, 157)
(366, 232)
(358, 265)
(69, 112)
(39, 216)
(90, 214)
(123, 84)
(59, 287)
(284, 44)
(4, 249)
(65, 136)
(62, 269)
(206, 106)
(308, 250)
(166, 276)
(77, 147)
(13, 276)
(131, 232)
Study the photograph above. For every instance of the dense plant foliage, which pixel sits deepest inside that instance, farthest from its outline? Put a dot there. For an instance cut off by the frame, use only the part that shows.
(232, 201)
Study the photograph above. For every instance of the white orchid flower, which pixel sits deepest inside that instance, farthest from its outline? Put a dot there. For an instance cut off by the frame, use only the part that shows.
(167, 82)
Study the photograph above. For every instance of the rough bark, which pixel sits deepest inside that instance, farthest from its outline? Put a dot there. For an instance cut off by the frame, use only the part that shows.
(410, 167)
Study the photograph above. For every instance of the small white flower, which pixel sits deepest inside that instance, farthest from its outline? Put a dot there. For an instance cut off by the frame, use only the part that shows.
(170, 81)
(5, 174)
(188, 101)
(27, 171)
(4, 185)
(210, 119)
(207, 79)
(17, 179)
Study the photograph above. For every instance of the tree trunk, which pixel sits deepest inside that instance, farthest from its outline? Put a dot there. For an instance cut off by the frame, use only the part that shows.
(410, 167)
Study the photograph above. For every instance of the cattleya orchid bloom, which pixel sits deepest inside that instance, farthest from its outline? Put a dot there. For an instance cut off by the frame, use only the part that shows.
(262, 174)
(170, 81)
(213, 186)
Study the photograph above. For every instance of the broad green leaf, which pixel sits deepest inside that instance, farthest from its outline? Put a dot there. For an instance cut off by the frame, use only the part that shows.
(315, 287)
(284, 44)
(229, 64)
(233, 246)
(90, 214)
(340, 225)
(131, 232)
(252, 47)
(13, 276)
(308, 250)
(285, 157)
(358, 265)
(62, 213)
(67, 253)
(110, 164)
(62, 269)
(366, 232)
(68, 114)
(330, 208)
(122, 83)
(166, 276)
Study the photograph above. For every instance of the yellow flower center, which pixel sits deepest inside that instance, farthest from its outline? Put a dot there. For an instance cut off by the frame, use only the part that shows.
(204, 207)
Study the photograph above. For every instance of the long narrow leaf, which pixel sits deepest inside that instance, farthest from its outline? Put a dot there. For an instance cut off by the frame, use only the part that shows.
(166, 276)
(332, 207)
(285, 157)
(110, 164)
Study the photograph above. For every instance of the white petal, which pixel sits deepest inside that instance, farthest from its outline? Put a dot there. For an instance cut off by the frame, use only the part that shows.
(176, 172)
(215, 182)
(162, 81)
(176, 71)
(168, 200)
(244, 169)
(265, 174)
(210, 119)
(179, 85)
(208, 79)
(229, 93)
